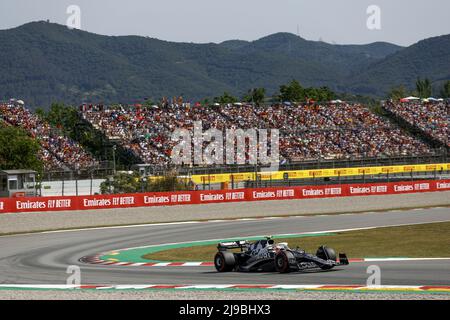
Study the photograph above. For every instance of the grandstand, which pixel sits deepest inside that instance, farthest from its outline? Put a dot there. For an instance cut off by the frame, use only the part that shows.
(432, 118)
(57, 151)
(308, 132)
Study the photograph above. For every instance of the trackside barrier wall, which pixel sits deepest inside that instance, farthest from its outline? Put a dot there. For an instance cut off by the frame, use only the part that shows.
(11, 205)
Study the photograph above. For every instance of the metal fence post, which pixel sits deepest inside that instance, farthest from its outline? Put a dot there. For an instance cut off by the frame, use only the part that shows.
(91, 183)
(209, 181)
(62, 187)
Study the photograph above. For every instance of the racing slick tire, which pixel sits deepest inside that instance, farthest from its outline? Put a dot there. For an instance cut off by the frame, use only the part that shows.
(326, 253)
(282, 261)
(224, 261)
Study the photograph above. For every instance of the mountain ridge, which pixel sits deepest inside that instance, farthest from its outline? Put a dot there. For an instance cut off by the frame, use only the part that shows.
(43, 62)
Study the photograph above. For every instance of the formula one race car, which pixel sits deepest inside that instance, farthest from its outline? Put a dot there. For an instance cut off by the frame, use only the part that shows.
(265, 255)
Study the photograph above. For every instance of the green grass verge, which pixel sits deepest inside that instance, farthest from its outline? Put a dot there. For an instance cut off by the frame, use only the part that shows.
(423, 240)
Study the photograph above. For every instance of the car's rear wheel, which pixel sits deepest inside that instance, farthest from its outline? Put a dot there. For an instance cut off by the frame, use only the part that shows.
(326, 253)
(282, 261)
(224, 261)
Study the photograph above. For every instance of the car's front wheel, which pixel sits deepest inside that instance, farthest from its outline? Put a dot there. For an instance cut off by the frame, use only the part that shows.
(224, 261)
(326, 253)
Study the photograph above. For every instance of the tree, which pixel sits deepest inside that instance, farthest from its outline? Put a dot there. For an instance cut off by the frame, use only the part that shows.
(148, 102)
(445, 91)
(295, 92)
(256, 96)
(397, 93)
(319, 94)
(63, 117)
(18, 150)
(292, 92)
(72, 125)
(225, 98)
(124, 182)
(40, 113)
(423, 88)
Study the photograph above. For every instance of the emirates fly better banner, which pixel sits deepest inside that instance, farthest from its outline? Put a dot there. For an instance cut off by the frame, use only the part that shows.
(10, 205)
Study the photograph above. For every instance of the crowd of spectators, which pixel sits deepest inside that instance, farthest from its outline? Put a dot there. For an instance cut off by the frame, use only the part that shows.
(57, 151)
(307, 132)
(338, 131)
(432, 118)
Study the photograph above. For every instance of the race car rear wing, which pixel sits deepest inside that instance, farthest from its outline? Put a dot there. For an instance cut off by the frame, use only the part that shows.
(222, 246)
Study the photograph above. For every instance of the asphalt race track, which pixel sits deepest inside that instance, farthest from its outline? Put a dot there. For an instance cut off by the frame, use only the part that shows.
(43, 258)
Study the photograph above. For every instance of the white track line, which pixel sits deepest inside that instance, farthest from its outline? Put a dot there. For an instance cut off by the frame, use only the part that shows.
(231, 220)
(281, 235)
(402, 259)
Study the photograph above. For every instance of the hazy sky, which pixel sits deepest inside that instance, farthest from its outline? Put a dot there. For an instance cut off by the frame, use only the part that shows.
(342, 21)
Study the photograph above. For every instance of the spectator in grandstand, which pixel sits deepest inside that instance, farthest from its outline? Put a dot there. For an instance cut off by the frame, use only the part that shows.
(58, 151)
(330, 131)
(432, 118)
